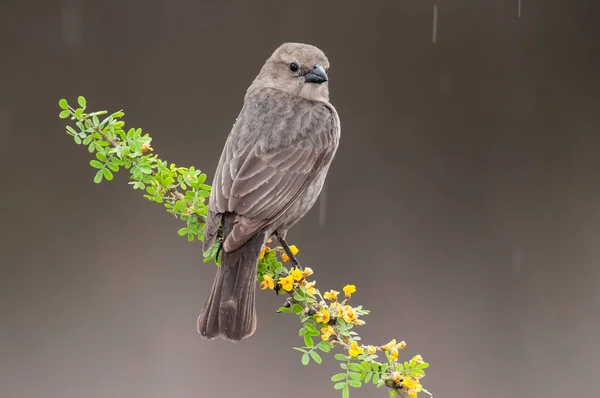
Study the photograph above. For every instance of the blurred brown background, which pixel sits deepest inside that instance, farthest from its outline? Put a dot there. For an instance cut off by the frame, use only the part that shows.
(464, 200)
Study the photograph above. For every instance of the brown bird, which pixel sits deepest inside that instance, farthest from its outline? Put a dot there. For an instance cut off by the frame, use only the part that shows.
(269, 176)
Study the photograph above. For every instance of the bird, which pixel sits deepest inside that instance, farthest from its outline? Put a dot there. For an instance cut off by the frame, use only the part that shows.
(270, 173)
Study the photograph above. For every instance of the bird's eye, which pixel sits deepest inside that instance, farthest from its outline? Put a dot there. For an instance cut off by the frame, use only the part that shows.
(293, 67)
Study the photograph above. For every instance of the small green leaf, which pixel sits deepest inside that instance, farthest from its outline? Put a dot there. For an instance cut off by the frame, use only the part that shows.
(354, 383)
(316, 357)
(297, 308)
(98, 177)
(376, 378)
(81, 101)
(96, 164)
(324, 346)
(368, 377)
(301, 350)
(305, 359)
(108, 174)
(101, 157)
(339, 386)
(64, 114)
(310, 327)
(63, 104)
(338, 377)
(113, 166)
(190, 237)
(341, 357)
(308, 341)
(182, 231)
(354, 376)
(346, 391)
(298, 297)
(355, 367)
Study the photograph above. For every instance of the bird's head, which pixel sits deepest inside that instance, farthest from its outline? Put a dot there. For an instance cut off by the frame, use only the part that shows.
(298, 69)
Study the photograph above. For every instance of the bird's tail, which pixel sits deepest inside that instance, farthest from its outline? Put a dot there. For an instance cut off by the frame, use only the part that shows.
(229, 312)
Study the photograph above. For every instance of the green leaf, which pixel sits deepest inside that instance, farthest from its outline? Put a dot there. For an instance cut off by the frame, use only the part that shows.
(310, 327)
(81, 101)
(87, 140)
(345, 391)
(368, 377)
(341, 357)
(190, 237)
(101, 157)
(96, 164)
(338, 377)
(63, 104)
(182, 231)
(297, 308)
(339, 386)
(64, 114)
(324, 346)
(98, 177)
(308, 341)
(354, 383)
(108, 174)
(355, 367)
(113, 166)
(298, 297)
(354, 376)
(376, 378)
(316, 357)
(71, 131)
(300, 349)
(305, 359)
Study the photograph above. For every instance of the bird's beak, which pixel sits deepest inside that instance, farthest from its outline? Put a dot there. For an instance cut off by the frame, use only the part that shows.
(317, 75)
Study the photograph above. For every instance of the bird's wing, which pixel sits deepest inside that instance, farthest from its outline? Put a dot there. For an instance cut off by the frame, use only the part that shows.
(259, 178)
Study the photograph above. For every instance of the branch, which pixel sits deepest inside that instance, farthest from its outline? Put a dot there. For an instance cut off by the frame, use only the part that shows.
(183, 193)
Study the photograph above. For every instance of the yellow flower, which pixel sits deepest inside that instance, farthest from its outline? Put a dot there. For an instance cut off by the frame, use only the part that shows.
(308, 271)
(394, 354)
(349, 289)
(146, 147)
(417, 359)
(348, 314)
(411, 384)
(355, 350)
(401, 345)
(267, 282)
(285, 258)
(287, 283)
(310, 288)
(297, 274)
(323, 316)
(331, 295)
(359, 322)
(371, 349)
(412, 394)
(326, 333)
(264, 251)
(388, 345)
